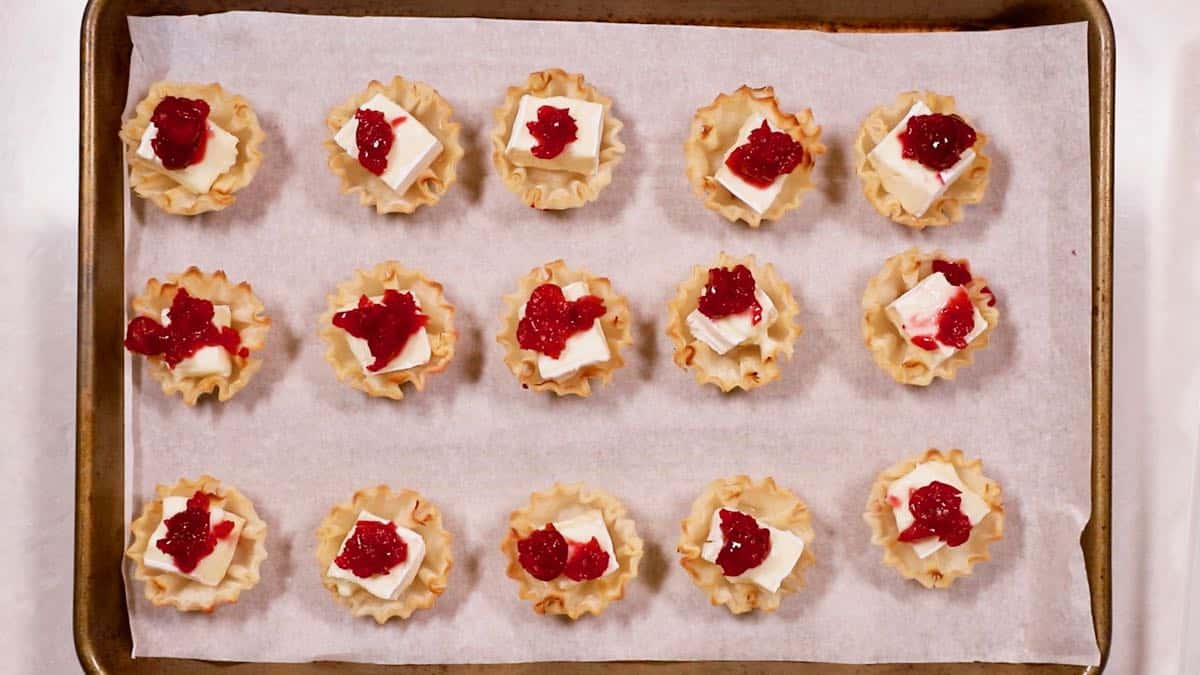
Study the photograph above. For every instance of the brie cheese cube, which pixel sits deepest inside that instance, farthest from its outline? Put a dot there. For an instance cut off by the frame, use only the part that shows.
(757, 198)
(786, 549)
(915, 314)
(579, 156)
(915, 185)
(416, 351)
(730, 331)
(585, 348)
(413, 148)
(902, 488)
(386, 586)
(210, 360)
(211, 569)
(220, 153)
(580, 530)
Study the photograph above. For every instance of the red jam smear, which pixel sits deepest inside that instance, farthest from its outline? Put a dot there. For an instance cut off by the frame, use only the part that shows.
(765, 156)
(956, 320)
(728, 292)
(956, 274)
(374, 138)
(543, 553)
(550, 319)
(374, 549)
(190, 538)
(182, 131)
(936, 141)
(190, 330)
(386, 326)
(554, 129)
(585, 561)
(746, 544)
(991, 296)
(937, 511)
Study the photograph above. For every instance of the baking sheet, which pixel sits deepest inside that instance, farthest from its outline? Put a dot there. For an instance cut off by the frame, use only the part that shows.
(297, 441)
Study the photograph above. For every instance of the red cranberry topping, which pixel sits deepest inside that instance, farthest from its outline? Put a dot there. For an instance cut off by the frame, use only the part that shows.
(374, 138)
(189, 537)
(554, 128)
(374, 548)
(223, 529)
(386, 326)
(550, 319)
(586, 561)
(956, 275)
(936, 141)
(729, 291)
(937, 510)
(956, 320)
(191, 329)
(746, 544)
(925, 342)
(991, 296)
(765, 156)
(182, 131)
(543, 553)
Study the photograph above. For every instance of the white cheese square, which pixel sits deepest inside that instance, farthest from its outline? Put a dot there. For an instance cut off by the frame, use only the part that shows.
(757, 198)
(211, 360)
(915, 314)
(901, 489)
(416, 351)
(386, 586)
(211, 569)
(786, 549)
(581, 528)
(730, 331)
(585, 348)
(413, 149)
(220, 153)
(579, 156)
(915, 185)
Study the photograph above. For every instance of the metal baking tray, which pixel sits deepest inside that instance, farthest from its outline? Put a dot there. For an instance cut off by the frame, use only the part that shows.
(101, 625)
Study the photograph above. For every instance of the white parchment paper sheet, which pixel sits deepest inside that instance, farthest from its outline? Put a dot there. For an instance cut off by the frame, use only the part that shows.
(297, 441)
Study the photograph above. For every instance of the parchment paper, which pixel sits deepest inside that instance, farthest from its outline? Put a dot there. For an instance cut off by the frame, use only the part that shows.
(297, 441)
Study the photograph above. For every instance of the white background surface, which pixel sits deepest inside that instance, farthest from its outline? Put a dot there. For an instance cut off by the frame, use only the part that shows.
(1156, 384)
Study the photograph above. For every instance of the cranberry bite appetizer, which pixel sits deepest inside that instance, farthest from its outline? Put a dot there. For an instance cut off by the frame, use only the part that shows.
(572, 550)
(196, 545)
(935, 516)
(199, 333)
(555, 141)
(191, 146)
(920, 161)
(384, 554)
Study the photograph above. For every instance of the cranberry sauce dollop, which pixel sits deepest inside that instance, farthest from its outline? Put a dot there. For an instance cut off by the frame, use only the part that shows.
(191, 329)
(765, 156)
(729, 291)
(955, 320)
(937, 510)
(190, 538)
(374, 138)
(746, 544)
(543, 553)
(374, 548)
(585, 561)
(554, 128)
(550, 319)
(386, 326)
(956, 274)
(936, 141)
(182, 131)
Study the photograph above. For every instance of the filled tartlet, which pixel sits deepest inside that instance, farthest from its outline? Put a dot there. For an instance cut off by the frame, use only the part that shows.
(394, 145)
(388, 326)
(925, 315)
(190, 147)
(747, 159)
(562, 328)
(555, 141)
(199, 332)
(934, 516)
(732, 323)
(196, 545)
(572, 550)
(920, 161)
(384, 554)
(746, 543)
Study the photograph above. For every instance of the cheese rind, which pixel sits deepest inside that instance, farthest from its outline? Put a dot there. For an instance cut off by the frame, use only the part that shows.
(786, 549)
(220, 153)
(581, 528)
(757, 198)
(915, 314)
(579, 156)
(386, 586)
(210, 360)
(915, 185)
(211, 569)
(901, 489)
(585, 348)
(414, 148)
(417, 350)
(728, 332)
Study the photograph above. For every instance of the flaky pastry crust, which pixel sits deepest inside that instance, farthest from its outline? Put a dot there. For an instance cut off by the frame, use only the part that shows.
(947, 563)
(946, 210)
(247, 317)
(715, 128)
(186, 595)
(545, 188)
(407, 509)
(434, 112)
(561, 595)
(768, 503)
(228, 111)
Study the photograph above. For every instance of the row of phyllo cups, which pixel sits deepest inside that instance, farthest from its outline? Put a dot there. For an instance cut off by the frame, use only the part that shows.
(572, 549)
(556, 144)
(924, 315)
